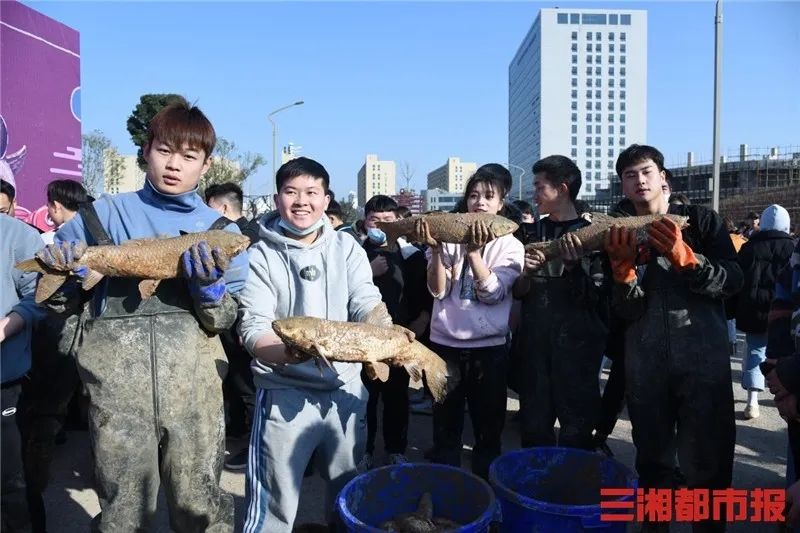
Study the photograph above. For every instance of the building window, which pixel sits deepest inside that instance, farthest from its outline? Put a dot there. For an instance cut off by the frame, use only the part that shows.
(597, 105)
(611, 60)
(588, 187)
(622, 60)
(597, 82)
(562, 18)
(610, 152)
(589, 129)
(610, 71)
(574, 117)
(622, 95)
(574, 59)
(597, 141)
(597, 117)
(588, 106)
(622, 71)
(589, 36)
(588, 71)
(622, 48)
(574, 129)
(588, 93)
(574, 93)
(588, 117)
(588, 82)
(613, 19)
(611, 106)
(589, 59)
(610, 165)
(598, 59)
(574, 36)
(588, 164)
(611, 118)
(574, 82)
(622, 130)
(622, 36)
(597, 152)
(611, 130)
(574, 105)
(611, 82)
(597, 71)
(622, 83)
(597, 94)
(597, 162)
(574, 18)
(625, 20)
(598, 36)
(574, 47)
(574, 141)
(574, 71)
(588, 152)
(598, 48)
(593, 18)
(622, 117)
(611, 36)
(597, 131)
(574, 152)
(611, 141)
(611, 48)
(588, 47)
(622, 141)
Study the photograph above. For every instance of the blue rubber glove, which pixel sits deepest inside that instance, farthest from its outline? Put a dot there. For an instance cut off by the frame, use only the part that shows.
(204, 268)
(64, 256)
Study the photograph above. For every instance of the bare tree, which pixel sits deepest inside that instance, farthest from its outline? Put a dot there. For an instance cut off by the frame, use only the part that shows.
(230, 165)
(407, 173)
(101, 162)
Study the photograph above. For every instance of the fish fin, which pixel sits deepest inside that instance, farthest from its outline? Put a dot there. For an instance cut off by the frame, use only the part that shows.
(322, 354)
(147, 287)
(29, 265)
(425, 508)
(48, 285)
(377, 370)
(181, 232)
(91, 279)
(414, 371)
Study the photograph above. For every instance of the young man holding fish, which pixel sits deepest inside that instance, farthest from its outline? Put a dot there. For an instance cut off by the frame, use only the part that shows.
(564, 323)
(671, 291)
(153, 366)
(301, 266)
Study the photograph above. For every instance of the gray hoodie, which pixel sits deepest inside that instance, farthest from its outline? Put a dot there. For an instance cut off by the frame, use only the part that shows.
(330, 278)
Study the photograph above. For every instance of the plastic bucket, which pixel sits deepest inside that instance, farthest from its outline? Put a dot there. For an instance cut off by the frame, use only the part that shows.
(557, 489)
(384, 493)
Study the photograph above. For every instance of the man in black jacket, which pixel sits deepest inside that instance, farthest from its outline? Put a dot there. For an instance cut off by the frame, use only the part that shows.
(670, 293)
(761, 259)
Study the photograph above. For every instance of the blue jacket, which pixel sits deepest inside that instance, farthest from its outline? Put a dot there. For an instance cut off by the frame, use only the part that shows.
(19, 242)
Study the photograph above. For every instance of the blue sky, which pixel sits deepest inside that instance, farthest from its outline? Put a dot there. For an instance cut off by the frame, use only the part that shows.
(415, 82)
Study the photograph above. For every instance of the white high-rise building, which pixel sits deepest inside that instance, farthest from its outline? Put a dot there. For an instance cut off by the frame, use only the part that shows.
(578, 87)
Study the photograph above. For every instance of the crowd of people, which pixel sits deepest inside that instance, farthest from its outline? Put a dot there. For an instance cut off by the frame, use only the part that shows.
(167, 378)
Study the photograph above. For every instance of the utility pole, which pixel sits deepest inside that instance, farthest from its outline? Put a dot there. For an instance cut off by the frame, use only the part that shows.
(717, 89)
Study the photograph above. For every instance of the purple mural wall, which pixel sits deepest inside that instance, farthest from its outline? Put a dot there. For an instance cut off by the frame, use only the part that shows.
(40, 105)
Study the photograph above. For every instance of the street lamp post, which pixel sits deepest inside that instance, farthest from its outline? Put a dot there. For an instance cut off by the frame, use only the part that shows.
(520, 179)
(717, 88)
(275, 145)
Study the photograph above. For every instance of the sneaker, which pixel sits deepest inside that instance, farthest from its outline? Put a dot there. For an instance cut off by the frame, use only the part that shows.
(366, 463)
(396, 459)
(751, 411)
(237, 461)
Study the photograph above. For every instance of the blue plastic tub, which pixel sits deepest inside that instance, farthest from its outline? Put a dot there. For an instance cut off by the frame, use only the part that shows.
(381, 494)
(557, 489)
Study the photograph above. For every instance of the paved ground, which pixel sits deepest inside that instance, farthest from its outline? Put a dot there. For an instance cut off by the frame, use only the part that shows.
(761, 448)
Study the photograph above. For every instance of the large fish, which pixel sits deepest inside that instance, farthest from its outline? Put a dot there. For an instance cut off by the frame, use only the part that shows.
(150, 260)
(447, 227)
(593, 236)
(421, 520)
(356, 342)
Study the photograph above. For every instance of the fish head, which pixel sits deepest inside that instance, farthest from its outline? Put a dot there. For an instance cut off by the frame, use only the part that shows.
(502, 226)
(294, 331)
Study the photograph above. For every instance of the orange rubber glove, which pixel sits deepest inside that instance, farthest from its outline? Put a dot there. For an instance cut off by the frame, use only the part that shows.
(665, 236)
(620, 244)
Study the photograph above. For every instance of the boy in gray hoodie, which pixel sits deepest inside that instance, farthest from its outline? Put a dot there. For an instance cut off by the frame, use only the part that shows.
(302, 267)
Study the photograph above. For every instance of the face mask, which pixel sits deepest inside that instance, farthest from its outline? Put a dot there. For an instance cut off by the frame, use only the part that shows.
(376, 235)
(301, 232)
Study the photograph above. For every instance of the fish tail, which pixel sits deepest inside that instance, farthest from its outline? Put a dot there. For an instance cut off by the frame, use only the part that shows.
(48, 285)
(436, 375)
(392, 234)
(29, 265)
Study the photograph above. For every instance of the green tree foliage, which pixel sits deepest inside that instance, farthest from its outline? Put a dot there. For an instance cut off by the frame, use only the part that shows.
(349, 215)
(149, 105)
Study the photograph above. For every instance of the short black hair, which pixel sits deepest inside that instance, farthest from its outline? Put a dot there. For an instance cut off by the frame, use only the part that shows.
(679, 198)
(403, 212)
(636, 153)
(302, 166)
(752, 215)
(493, 174)
(68, 193)
(524, 207)
(229, 190)
(582, 206)
(380, 203)
(8, 189)
(334, 208)
(559, 169)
